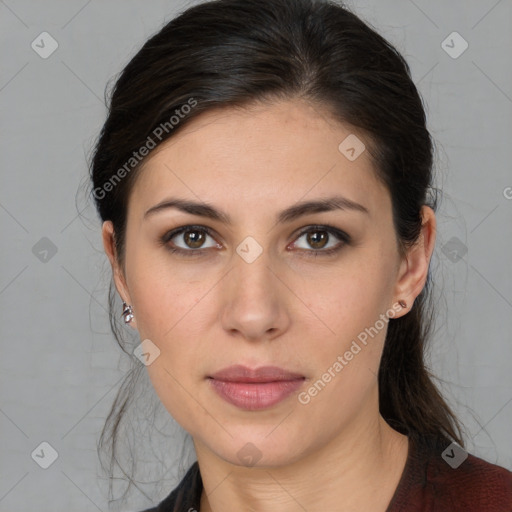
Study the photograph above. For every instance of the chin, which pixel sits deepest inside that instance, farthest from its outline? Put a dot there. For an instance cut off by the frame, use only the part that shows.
(261, 450)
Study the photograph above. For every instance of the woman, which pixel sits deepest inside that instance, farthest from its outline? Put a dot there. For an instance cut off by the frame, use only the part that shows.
(264, 179)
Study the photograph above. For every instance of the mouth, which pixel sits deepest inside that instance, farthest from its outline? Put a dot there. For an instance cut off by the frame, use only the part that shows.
(255, 389)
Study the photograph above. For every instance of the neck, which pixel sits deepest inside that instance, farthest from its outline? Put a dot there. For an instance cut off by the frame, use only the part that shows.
(359, 469)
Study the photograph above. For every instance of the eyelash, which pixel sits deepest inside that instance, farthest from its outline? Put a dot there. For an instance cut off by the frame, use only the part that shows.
(331, 230)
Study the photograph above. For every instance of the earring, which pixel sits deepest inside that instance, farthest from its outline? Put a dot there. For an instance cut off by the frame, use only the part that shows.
(402, 303)
(127, 313)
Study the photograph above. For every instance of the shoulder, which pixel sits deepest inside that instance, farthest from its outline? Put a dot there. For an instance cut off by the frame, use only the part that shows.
(474, 485)
(442, 476)
(475, 481)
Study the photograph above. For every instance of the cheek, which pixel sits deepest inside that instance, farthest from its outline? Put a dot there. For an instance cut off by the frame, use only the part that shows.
(162, 295)
(351, 306)
(169, 317)
(346, 363)
(173, 309)
(351, 299)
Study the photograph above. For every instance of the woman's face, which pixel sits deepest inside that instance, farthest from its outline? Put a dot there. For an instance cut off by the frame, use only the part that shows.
(252, 291)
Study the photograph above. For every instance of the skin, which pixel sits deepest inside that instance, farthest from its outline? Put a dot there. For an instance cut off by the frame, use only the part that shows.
(208, 312)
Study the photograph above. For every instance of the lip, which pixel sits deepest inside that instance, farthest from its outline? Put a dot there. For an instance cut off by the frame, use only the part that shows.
(255, 389)
(240, 373)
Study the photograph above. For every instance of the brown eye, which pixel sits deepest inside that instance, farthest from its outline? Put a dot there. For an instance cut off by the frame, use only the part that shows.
(317, 239)
(188, 239)
(194, 240)
(322, 240)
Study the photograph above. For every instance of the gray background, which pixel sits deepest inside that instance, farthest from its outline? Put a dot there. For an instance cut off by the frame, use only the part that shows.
(60, 366)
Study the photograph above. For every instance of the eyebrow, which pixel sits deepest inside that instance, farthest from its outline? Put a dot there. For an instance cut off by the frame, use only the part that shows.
(289, 214)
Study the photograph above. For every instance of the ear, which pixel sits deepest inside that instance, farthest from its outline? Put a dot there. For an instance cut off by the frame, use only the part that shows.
(413, 270)
(108, 235)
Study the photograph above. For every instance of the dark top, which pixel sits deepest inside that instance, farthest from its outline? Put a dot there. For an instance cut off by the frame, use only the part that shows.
(438, 477)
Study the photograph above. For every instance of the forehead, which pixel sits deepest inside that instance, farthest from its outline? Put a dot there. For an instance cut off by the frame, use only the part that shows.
(260, 155)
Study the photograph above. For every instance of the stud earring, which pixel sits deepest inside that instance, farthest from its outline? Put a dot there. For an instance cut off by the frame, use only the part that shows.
(402, 303)
(127, 313)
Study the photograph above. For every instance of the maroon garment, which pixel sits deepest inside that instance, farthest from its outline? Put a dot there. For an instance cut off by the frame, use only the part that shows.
(428, 484)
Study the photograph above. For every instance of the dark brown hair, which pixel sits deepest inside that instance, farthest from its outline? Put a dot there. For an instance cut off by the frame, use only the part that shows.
(233, 53)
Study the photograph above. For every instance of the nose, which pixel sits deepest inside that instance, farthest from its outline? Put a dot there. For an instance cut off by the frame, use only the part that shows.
(255, 302)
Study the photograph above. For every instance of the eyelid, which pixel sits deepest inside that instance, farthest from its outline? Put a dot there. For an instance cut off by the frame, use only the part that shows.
(324, 227)
(332, 230)
(341, 235)
(183, 229)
